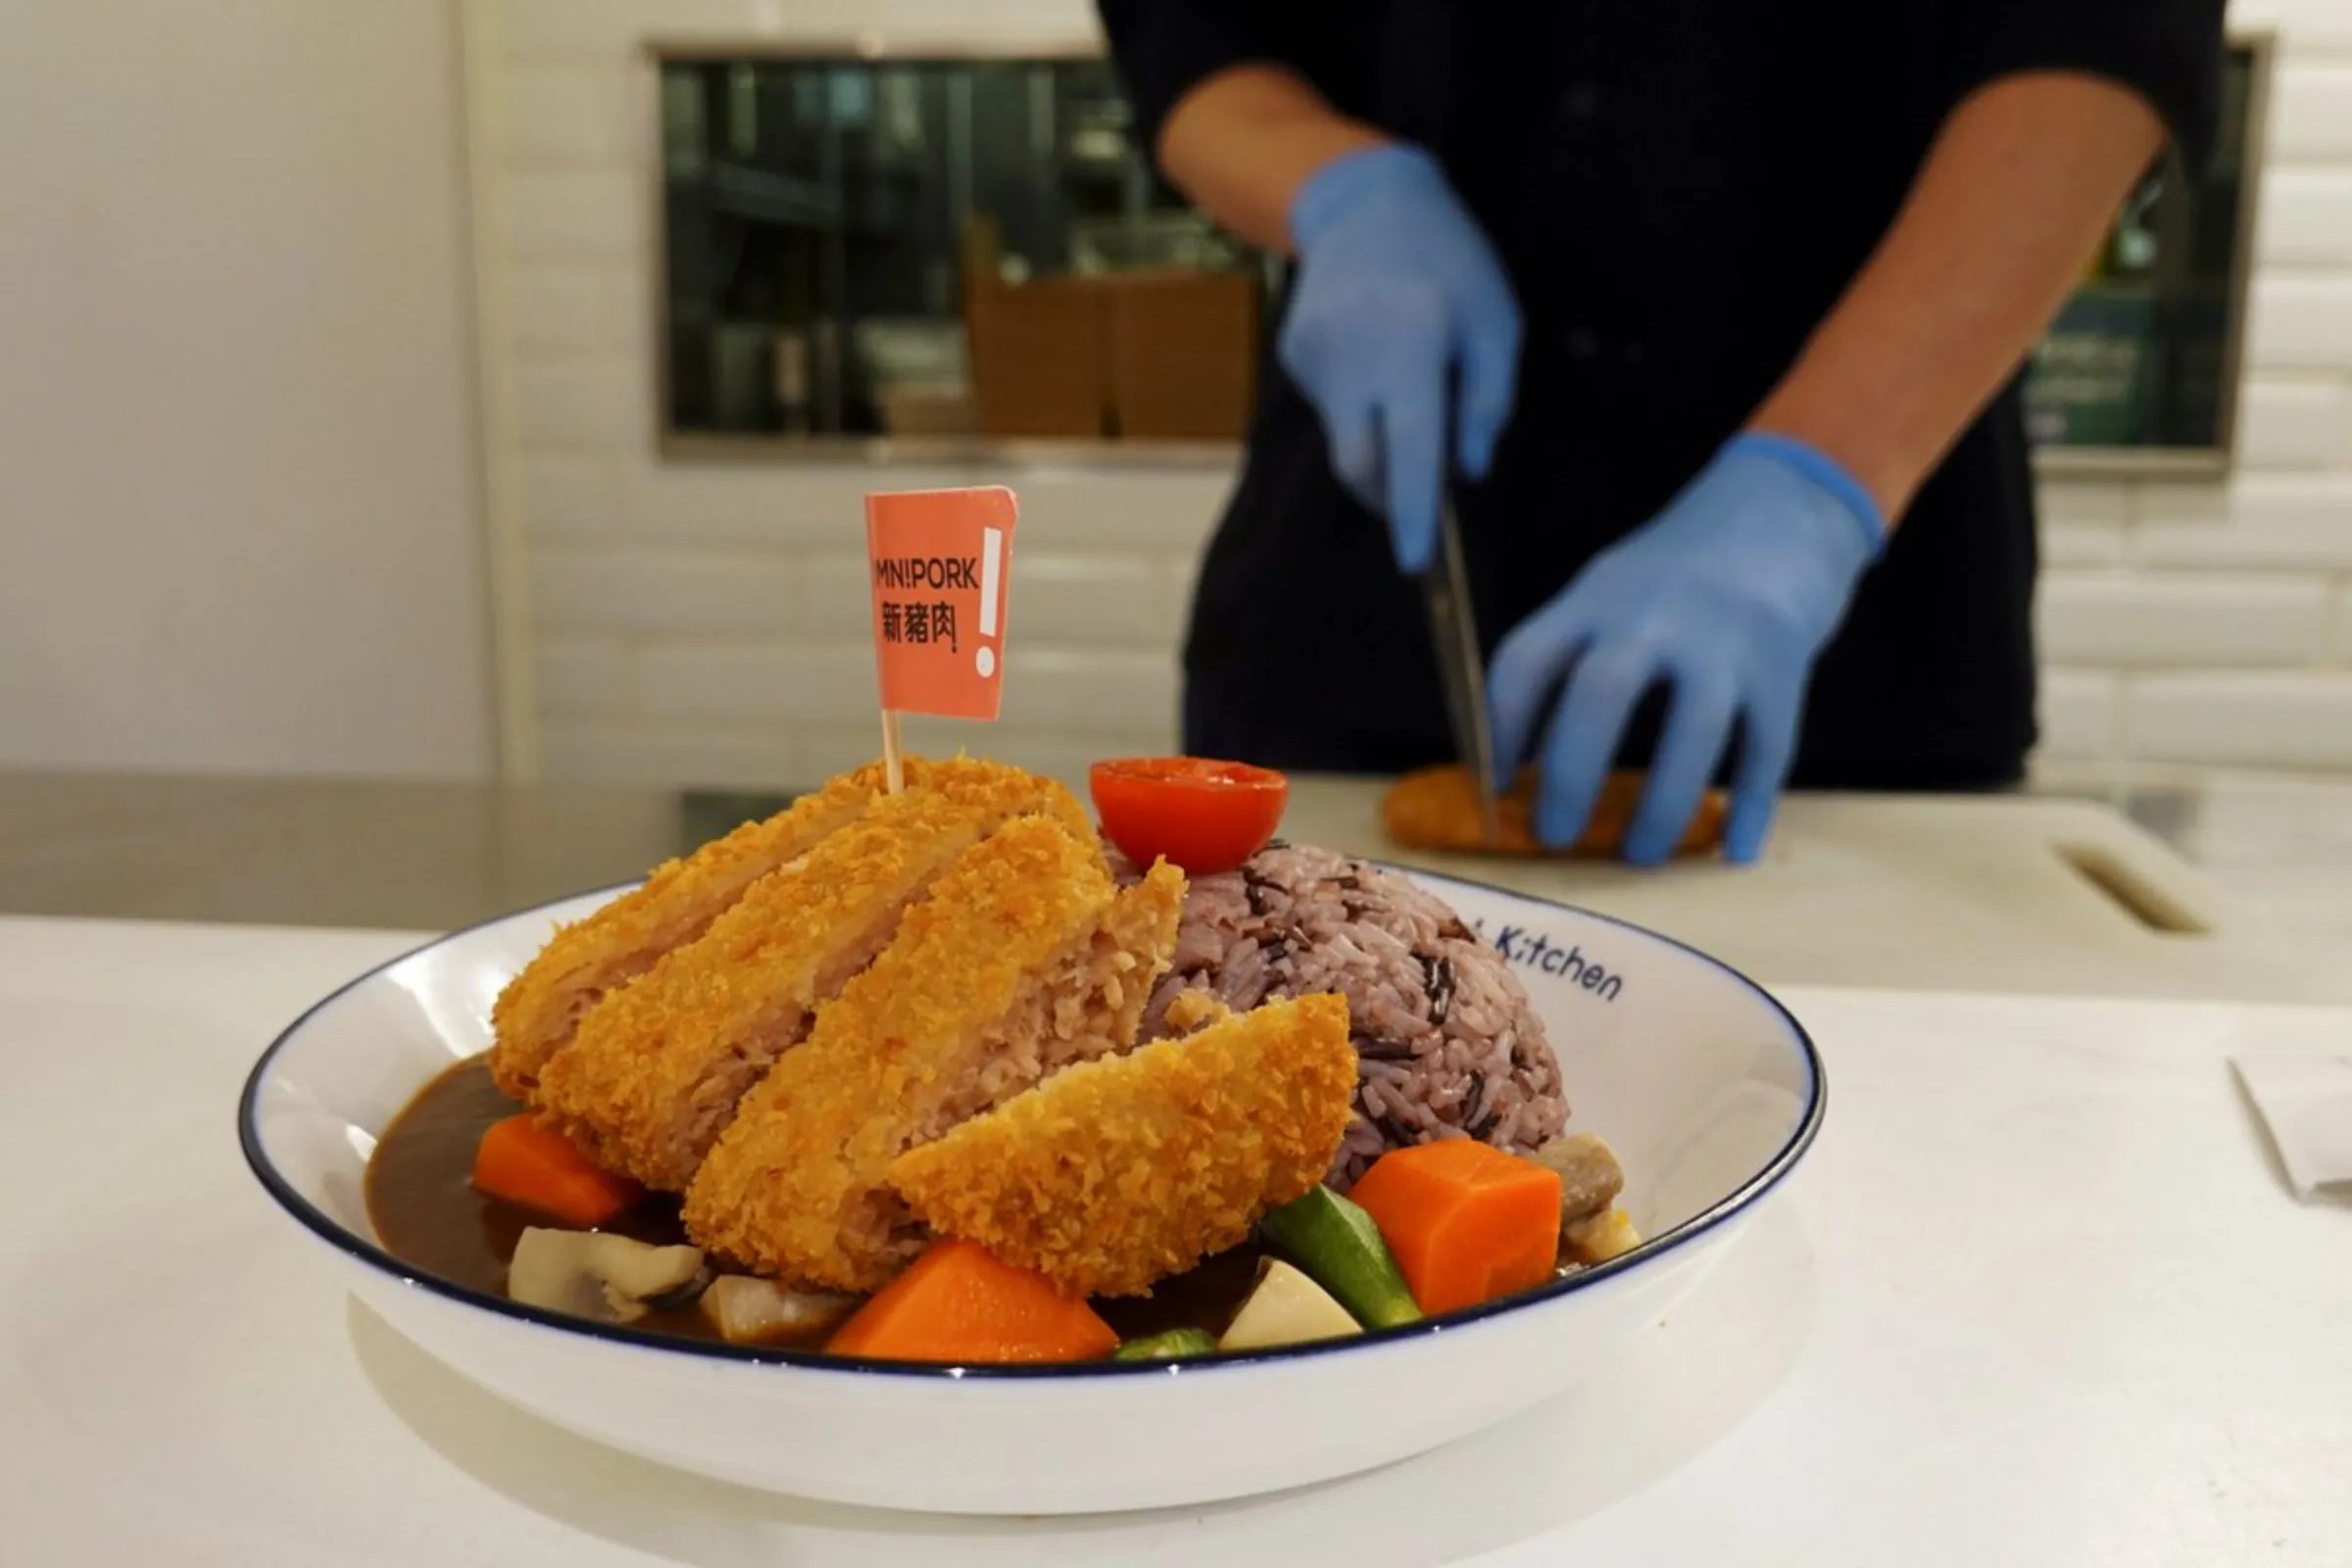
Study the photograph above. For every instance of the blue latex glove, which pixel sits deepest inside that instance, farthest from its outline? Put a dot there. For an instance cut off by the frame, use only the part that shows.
(1728, 594)
(1397, 294)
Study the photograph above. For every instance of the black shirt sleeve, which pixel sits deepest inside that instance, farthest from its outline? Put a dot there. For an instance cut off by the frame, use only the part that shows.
(2168, 51)
(1165, 48)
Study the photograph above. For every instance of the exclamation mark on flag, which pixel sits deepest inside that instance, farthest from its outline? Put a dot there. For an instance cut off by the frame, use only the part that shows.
(992, 567)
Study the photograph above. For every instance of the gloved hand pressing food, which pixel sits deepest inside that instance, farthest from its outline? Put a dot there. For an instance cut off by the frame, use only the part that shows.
(1728, 596)
(1397, 294)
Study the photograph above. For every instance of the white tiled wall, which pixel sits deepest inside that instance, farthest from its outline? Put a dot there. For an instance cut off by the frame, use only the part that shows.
(704, 622)
(238, 529)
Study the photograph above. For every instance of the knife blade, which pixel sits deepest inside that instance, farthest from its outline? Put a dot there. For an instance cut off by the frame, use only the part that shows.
(1462, 669)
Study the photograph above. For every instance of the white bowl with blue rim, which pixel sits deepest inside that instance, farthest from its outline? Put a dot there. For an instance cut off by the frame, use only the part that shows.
(1707, 1086)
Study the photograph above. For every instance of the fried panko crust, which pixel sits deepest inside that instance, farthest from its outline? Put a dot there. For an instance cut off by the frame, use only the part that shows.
(1195, 1010)
(535, 1015)
(1436, 808)
(1022, 948)
(1114, 1175)
(655, 1072)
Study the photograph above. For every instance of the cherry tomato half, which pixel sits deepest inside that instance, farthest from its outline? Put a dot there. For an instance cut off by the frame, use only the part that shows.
(1205, 815)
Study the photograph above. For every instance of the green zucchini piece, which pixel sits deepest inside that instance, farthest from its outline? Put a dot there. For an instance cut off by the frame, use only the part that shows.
(1172, 1345)
(1339, 1248)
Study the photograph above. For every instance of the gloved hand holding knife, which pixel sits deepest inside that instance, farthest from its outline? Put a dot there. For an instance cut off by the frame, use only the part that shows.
(1382, 238)
(1728, 595)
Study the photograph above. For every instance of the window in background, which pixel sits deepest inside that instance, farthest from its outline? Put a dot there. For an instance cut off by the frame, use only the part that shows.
(2144, 358)
(935, 248)
(957, 248)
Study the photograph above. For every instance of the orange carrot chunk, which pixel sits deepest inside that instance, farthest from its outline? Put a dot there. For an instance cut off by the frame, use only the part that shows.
(959, 1302)
(525, 1163)
(1466, 1221)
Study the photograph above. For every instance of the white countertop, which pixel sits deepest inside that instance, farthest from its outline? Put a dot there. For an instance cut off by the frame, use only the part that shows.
(1966, 893)
(2038, 1299)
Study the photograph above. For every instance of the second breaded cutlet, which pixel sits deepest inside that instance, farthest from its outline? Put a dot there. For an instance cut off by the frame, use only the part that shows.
(536, 1014)
(1114, 1175)
(653, 1076)
(1438, 808)
(1023, 960)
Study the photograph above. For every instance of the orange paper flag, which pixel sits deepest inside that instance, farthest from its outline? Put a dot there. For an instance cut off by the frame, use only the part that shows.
(939, 561)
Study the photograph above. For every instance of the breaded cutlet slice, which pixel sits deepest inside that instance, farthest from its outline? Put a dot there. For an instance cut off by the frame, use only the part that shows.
(536, 1014)
(1113, 1175)
(1438, 808)
(1023, 960)
(653, 1076)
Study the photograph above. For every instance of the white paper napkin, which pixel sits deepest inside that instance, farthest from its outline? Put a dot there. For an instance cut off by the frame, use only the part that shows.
(2306, 1101)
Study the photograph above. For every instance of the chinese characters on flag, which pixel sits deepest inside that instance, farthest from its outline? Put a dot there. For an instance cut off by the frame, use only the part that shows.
(918, 622)
(939, 563)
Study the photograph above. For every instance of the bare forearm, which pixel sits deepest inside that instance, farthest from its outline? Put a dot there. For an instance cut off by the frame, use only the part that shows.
(2013, 200)
(1243, 141)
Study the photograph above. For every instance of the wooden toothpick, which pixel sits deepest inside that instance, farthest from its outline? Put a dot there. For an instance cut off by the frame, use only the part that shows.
(894, 764)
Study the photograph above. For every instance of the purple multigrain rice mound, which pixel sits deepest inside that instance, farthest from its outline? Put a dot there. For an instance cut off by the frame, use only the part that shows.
(1447, 1044)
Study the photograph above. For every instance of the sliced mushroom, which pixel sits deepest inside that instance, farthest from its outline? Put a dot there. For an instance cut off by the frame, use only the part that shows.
(1590, 1176)
(604, 1278)
(755, 1311)
(1285, 1309)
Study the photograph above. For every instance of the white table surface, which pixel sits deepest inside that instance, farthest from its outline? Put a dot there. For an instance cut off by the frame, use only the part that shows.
(1920, 893)
(2038, 1298)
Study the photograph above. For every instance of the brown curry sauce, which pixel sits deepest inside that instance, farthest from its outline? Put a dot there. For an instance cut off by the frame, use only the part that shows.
(427, 1214)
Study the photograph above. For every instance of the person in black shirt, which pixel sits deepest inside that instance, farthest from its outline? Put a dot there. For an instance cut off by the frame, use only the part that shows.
(1695, 302)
